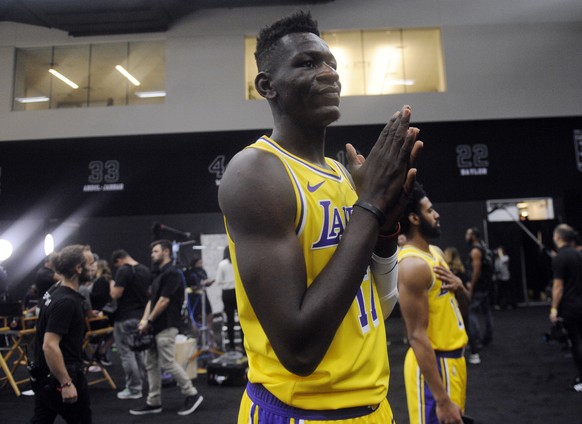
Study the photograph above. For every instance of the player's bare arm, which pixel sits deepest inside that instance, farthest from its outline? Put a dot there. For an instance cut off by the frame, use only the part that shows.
(414, 279)
(258, 201)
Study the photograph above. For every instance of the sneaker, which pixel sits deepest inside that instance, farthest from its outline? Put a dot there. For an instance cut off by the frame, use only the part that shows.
(146, 409)
(190, 405)
(128, 394)
(103, 359)
(95, 368)
(578, 385)
(474, 359)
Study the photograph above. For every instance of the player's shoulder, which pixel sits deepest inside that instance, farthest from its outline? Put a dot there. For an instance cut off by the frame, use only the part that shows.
(412, 261)
(253, 176)
(253, 165)
(437, 250)
(256, 195)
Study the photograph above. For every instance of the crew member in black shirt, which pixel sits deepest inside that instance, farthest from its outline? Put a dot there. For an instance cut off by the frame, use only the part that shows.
(567, 293)
(46, 276)
(130, 289)
(58, 379)
(163, 316)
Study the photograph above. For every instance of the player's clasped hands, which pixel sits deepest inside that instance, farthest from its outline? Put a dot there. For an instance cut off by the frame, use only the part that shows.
(386, 176)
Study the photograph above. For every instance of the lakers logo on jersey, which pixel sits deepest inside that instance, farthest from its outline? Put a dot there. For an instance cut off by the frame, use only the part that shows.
(324, 203)
(442, 292)
(334, 224)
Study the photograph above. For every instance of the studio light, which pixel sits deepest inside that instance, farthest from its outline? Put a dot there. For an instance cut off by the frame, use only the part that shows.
(5, 249)
(49, 244)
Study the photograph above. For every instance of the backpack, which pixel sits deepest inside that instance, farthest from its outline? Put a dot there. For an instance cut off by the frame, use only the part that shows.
(487, 262)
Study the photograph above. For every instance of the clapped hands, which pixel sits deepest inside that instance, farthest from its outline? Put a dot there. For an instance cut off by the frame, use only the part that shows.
(386, 176)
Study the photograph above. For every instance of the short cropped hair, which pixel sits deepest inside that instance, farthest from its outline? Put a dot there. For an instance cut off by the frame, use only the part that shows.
(69, 258)
(413, 206)
(566, 233)
(165, 244)
(118, 254)
(269, 37)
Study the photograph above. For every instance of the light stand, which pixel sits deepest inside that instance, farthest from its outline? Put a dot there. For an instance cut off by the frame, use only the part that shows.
(205, 351)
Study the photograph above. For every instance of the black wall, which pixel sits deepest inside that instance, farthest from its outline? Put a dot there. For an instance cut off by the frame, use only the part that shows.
(110, 190)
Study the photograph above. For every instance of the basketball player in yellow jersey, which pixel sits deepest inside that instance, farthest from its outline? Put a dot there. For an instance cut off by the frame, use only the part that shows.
(435, 372)
(302, 234)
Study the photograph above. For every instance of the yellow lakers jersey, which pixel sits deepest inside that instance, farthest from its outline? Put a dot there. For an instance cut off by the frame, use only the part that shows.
(446, 329)
(354, 371)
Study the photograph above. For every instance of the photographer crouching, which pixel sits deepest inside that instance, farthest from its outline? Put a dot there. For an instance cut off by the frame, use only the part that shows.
(57, 374)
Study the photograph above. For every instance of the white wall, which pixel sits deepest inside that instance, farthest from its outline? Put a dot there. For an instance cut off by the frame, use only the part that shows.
(516, 59)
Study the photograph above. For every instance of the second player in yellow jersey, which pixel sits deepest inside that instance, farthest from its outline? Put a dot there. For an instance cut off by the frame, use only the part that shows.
(435, 372)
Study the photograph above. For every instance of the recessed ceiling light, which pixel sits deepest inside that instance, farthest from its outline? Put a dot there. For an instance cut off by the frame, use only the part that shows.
(38, 99)
(63, 78)
(127, 75)
(150, 94)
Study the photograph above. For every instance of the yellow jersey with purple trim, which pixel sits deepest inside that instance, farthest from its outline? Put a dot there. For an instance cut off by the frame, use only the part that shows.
(446, 329)
(354, 371)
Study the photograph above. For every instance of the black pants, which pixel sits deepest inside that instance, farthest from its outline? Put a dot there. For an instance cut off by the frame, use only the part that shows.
(229, 300)
(573, 326)
(479, 307)
(502, 295)
(48, 401)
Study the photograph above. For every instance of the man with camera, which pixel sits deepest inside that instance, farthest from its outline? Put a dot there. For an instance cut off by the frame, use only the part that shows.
(130, 290)
(163, 317)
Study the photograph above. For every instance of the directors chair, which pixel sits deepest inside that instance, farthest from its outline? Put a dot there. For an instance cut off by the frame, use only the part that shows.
(97, 329)
(16, 333)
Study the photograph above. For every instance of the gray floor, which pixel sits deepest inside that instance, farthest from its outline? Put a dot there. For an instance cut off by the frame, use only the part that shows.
(522, 379)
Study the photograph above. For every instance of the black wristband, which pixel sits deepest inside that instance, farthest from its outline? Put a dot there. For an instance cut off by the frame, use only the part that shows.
(373, 209)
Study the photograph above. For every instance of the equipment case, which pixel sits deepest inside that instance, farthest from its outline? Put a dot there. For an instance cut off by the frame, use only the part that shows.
(229, 369)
